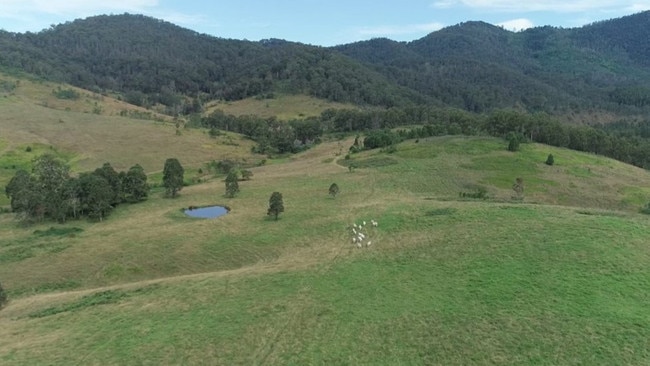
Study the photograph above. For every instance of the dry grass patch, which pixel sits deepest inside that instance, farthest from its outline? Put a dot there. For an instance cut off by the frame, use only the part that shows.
(283, 107)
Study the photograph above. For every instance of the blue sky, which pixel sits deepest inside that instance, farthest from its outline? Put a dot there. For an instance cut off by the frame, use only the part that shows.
(321, 22)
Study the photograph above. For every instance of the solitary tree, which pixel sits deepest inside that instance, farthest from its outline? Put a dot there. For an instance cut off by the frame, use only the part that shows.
(513, 142)
(334, 190)
(3, 297)
(550, 160)
(232, 184)
(173, 176)
(276, 205)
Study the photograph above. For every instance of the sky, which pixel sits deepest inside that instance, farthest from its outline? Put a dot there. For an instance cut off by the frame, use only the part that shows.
(322, 22)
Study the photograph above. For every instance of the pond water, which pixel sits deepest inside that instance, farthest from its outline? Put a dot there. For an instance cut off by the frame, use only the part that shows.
(206, 212)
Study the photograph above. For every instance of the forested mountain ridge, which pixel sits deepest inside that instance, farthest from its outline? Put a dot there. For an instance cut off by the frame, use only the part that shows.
(152, 61)
(474, 65)
(477, 66)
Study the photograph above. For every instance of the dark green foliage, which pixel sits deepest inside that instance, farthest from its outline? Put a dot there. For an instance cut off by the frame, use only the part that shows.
(380, 138)
(49, 191)
(474, 66)
(513, 142)
(232, 183)
(276, 205)
(66, 94)
(134, 184)
(51, 176)
(478, 193)
(246, 174)
(3, 297)
(113, 178)
(550, 160)
(173, 177)
(96, 196)
(222, 166)
(19, 191)
(646, 209)
(334, 190)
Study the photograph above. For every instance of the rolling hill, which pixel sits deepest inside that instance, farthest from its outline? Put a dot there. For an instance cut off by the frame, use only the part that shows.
(460, 269)
(555, 278)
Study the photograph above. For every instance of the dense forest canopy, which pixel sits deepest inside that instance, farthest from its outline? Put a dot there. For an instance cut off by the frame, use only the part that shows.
(473, 66)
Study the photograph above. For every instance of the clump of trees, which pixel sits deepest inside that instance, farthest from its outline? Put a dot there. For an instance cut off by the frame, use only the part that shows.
(50, 192)
(276, 205)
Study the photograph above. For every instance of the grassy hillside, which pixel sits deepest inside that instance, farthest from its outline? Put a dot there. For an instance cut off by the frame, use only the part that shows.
(30, 90)
(284, 107)
(34, 121)
(559, 278)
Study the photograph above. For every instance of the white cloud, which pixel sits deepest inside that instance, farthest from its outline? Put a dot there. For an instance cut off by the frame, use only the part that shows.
(558, 6)
(444, 4)
(394, 30)
(638, 7)
(516, 25)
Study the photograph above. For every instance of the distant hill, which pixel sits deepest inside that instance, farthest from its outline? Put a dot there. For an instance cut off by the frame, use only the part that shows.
(474, 66)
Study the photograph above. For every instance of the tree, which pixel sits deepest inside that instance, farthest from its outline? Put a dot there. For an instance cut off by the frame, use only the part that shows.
(96, 196)
(113, 178)
(20, 181)
(134, 184)
(3, 297)
(276, 205)
(550, 160)
(173, 176)
(232, 184)
(334, 190)
(51, 175)
(513, 142)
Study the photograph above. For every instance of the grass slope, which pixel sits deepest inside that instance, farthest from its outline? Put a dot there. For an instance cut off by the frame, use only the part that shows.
(86, 141)
(551, 280)
(284, 107)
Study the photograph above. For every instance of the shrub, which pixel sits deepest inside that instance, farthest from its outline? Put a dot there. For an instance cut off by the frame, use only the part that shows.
(518, 187)
(646, 209)
(513, 142)
(479, 193)
(3, 297)
(550, 160)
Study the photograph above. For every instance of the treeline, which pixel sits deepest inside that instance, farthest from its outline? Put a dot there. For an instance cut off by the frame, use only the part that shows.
(628, 142)
(158, 63)
(49, 192)
(270, 134)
